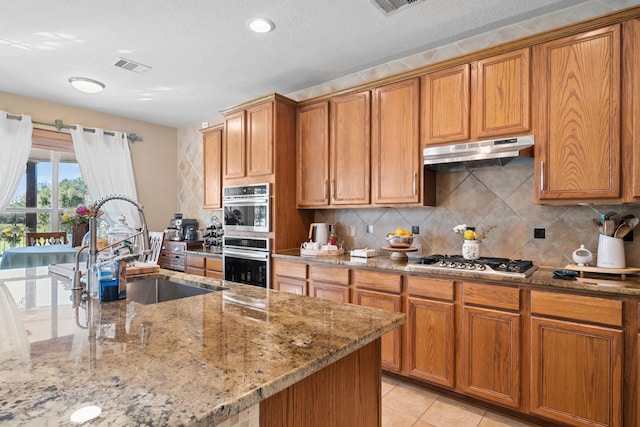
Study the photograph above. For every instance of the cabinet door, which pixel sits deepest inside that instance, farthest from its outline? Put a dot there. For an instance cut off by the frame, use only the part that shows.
(446, 100)
(291, 285)
(631, 109)
(313, 155)
(391, 341)
(350, 149)
(578, 117)
(503, 94)
(576, 373)
(396, 157)
(328, 291)
(260, 140)
(331, 283)
(431, 336)
(491, 355)
(212, 155)
(233, 153)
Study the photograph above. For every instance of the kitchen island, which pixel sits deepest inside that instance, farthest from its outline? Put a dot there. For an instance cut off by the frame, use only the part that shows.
(194, 361)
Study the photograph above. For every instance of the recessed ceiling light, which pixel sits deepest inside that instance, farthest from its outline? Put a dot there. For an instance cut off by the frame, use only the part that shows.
(261, 25)
(86, 85)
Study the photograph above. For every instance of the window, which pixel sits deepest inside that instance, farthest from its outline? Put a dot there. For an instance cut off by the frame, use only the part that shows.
(51, 183)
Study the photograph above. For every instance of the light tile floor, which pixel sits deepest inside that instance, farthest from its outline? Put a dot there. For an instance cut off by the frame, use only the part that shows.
(405, 404)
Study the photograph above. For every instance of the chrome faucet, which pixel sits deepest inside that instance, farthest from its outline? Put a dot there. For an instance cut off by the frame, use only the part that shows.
(92, 261)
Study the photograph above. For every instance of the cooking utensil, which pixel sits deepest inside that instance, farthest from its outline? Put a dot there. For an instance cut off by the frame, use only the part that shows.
(598, 225)
(626, 226)
(609, 227)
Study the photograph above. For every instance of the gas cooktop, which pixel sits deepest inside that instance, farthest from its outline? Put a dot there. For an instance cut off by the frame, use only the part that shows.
(483, 265)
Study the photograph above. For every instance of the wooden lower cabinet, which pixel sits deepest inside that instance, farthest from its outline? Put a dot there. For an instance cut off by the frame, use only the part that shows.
(382, 290)
(554, 355)
(576, 369)
(345, 393)
(289, 277)
(202, 265)
(430, 345)
(490, 343)
(291, 285)
(330, 283)
(491, 355)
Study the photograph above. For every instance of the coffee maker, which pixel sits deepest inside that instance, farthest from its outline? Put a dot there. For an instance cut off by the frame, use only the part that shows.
(174, 231)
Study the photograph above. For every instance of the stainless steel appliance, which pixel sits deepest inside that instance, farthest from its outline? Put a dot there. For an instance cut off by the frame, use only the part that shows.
(182, 229)
(482, 265)
(489, 152)
(246, 208)
(247, 260)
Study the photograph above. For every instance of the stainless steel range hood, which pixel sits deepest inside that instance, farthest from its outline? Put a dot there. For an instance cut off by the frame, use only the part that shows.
(478, 153)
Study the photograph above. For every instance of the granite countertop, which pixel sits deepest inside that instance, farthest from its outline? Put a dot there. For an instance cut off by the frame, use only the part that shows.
(213, 252)
(191, 361)
(543, 277)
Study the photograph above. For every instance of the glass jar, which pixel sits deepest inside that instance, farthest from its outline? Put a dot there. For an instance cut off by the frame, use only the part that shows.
(470, 249)
(120, 237)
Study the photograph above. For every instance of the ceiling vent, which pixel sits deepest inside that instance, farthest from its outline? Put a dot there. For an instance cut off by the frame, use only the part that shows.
(387, 7)
(131, 66)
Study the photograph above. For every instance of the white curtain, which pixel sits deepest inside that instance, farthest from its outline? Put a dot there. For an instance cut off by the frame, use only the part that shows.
(105, 163)
(15, 145)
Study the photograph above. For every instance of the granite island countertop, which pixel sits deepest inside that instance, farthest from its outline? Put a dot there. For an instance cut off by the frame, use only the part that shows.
(191, 361)
(543, 277)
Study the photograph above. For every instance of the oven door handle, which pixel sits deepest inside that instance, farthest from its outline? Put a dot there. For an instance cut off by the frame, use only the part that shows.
(247, 254)
(245, 202)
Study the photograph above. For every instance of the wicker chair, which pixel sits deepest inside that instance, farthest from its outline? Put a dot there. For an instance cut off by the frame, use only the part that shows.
(42, 239)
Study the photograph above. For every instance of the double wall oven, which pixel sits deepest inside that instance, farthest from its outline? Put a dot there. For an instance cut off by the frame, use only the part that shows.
(246, 249)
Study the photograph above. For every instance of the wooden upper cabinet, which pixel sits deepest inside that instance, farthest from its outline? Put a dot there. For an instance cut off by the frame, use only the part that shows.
(578, 117)
(260, 140)
(446, 101)
(233, 152)
(212, 156)
(484, 99)
(396, 156)
(503, 94)
(313, 155)
(631, 109)
(350, 149)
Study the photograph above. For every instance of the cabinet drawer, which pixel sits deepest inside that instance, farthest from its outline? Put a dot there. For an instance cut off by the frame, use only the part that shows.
(214, 264)
(214, 274)
(194, 270)
(378, 281)
(577, 307)
(429, 287)
(491, 295)
(290, 269)
(336, 275)
(195, 261)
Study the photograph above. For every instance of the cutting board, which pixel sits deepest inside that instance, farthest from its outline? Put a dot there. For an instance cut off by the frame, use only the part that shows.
(68, 269)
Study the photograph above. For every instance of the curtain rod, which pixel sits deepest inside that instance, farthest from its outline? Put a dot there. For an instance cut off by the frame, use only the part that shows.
(57, 123)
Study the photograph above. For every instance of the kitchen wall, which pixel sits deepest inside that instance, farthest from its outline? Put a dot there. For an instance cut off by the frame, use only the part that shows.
(153, 159)
(499, 197)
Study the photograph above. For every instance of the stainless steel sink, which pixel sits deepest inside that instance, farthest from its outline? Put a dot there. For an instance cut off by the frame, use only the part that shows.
(152, 291)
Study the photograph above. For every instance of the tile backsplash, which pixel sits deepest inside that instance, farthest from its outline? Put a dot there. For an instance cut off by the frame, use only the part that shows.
(497, 200)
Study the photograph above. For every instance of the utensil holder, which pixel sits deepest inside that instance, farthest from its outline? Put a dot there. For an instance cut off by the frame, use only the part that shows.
(610, 252)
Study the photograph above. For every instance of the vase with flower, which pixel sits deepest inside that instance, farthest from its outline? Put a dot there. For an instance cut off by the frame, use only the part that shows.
(13, 235)
(76, 221)
(471, 241)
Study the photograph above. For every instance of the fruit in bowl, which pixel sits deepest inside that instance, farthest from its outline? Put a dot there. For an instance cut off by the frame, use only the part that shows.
(400, 239)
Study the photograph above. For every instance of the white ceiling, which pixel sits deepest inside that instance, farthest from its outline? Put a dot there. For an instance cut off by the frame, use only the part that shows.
(204, 58)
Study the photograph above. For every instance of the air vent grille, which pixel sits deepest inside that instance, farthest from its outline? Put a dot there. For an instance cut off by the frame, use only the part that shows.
(387, 7)
(131, 65)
